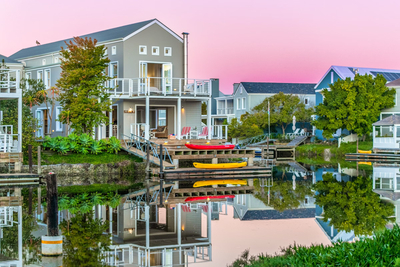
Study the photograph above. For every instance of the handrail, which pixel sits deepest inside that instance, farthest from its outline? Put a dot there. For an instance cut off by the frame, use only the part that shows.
(140, 143)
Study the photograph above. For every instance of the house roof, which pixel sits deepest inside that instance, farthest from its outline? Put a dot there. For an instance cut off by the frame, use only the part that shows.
(345, 71)
(276, 215)
(101, 36)
(391, 120)
(7, 59)
(394, 83)
(275, 88)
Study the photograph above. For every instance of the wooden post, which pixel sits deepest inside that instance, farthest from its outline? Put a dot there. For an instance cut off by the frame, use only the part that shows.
(52, 205)
(30, 158)
(39, 158)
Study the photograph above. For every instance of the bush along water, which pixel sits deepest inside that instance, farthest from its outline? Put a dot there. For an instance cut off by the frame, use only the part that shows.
(82, 144)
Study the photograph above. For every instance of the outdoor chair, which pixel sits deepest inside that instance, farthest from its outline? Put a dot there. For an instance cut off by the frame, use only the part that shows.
(295, 133)
(185, 132)
(204, 133)
(302, 132)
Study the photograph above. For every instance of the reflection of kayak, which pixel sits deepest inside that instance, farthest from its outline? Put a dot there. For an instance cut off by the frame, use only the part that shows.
(208, 147)
(219, 165)
(365, 151)
(365, 163)
(207, 198)
(219, 182)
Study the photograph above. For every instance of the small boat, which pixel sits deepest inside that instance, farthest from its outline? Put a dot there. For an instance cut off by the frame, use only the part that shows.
(219, 165)
(207, 198)
(209, 147)
(219, 182)
(365, 163)
(365, 151)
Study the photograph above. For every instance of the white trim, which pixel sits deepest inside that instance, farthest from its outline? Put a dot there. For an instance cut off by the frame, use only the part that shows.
(157, 53)
(395, 99)
(113, 50)
(48, 118)
(37, 75)
(237, 103)
(166, 53)
(26, 77)
(308, 101)
(175, 115)
(150, 24)
(42, 68)
(110, 70)
(47, 78)
(244, 103)
(145, 50)
(43, 62)
(59, 125)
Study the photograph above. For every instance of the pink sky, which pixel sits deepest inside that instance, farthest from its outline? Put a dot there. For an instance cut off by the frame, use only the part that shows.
(235, 41)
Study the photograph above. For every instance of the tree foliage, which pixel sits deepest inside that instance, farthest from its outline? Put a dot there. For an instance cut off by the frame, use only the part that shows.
(83, 93)
(248, 127)
(352, 205)
(353, 104)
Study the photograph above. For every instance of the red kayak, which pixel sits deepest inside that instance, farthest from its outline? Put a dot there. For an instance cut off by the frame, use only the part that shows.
(207, 198)
(208, 147)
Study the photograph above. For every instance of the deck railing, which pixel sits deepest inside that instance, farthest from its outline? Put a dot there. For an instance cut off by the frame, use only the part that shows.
(220, 131)
(9, 80)
(157, 86)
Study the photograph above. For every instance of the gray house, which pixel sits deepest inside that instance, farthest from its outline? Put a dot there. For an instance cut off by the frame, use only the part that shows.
(247, 95)
(150, 89)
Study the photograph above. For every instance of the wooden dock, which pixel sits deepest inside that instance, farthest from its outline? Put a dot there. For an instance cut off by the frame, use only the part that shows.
(19, 180)
(139, 153)
(373, 157)
(185, 153)
(10, 201)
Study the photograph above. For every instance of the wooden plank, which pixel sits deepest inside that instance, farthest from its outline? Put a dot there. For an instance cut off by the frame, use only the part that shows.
(196, 170)
(217, 177)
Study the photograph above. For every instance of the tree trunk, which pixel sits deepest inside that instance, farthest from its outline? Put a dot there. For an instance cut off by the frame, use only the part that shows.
(364, 135)
(357, 144)
(52, 205)
(283, 130)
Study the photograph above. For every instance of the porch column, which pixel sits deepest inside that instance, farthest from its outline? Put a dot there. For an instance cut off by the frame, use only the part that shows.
(147, 219)
(179, 119)
(19, 123)
(210, 130)
(110, 126)
(373, 137)
(20, 258)
(226, 106)
(209, 221)
(179, 223)
(110, 215)
(395, 135)
(147, 128)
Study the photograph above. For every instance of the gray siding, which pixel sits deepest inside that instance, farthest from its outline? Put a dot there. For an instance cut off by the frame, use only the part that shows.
(239, 111)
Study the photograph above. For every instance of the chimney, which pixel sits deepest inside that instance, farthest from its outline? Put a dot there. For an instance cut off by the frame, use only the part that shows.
(185, 56)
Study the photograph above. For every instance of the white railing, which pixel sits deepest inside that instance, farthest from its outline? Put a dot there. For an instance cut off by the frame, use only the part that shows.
(6, 216)
(385, 142)
(9, 80)
(225, 111)
(156, 86)
(220, 131)
(8, 142)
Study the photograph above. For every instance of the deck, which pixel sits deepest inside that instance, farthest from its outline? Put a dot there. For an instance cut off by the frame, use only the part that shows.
(10, 201)
(19, 180)
(373, 157)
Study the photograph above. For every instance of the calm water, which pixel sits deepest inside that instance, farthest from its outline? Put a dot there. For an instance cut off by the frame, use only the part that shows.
(303, 204)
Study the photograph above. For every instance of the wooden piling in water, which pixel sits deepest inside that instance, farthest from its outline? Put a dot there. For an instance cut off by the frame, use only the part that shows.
(52, 205)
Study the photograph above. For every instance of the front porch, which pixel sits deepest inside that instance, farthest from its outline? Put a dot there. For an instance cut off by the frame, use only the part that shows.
(386, 133)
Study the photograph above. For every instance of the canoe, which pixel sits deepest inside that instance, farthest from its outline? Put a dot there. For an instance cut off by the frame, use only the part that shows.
(219, 165)
(365, 151)
(207, 198)
(365, 163)
(209, 147)
(219, 182)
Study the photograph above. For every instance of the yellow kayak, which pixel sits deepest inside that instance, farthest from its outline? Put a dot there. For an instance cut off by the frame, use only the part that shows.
(365, 151)
(219, 165)
(365, 163)
(219, 182)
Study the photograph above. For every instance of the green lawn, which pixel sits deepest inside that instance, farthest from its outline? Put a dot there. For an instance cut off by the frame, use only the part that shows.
(344, 148)
(102, 158)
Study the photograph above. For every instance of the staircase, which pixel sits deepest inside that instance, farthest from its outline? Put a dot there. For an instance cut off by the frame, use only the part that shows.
(297, 141)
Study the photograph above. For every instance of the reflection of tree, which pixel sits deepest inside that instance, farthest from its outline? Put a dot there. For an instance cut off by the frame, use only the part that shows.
(283, 196)
(352, 205)
(84, 241)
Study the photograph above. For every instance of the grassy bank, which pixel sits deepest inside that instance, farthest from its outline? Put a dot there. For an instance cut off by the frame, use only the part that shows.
(382, 250)
(318, 149)
(74, 158)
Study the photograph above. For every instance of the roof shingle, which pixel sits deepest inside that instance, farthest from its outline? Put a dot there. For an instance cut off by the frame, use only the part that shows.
(275, 88)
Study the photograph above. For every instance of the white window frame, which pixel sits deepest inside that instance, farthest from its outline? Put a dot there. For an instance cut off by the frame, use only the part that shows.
(168, 51)
(47, 78)
(308, 101)
(157, 53)
(111, 72)
(395, 99)
(38, 72)
(114, 50)
(58, 123)
(160, 118)
(144, 50)
(243, 103)
(241, 89)
(106, 51)
(44, 61)
(237, 103)
(332, 77)
(56, 60)
(28, 76)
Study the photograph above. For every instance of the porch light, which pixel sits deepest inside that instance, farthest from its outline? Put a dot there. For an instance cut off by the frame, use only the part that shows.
(52, 131)
(183, 228)
(130, 110)
(130, 230)
(174, 89)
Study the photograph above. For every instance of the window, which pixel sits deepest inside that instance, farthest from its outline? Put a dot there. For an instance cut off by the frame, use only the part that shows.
(155, 50)
(167, 51)
(58, 122)
(243, 103)
(43, 61)
(238, 103)
(28, 76)
(332, 77)
(241, 89)
(47, 79)
(395, 99)
(113, 73)
(142, 50)
(40, 75)
(56, 60)
(306, 101)
(105, 51)
(113, 50)
(162, 117)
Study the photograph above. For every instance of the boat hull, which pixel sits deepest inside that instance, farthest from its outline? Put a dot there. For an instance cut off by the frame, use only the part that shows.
(219, 165)
(209, 147)
(207, 198)
(219, 182)
(365, 151)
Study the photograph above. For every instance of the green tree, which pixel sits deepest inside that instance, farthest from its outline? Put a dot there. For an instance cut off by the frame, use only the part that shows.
(203, 108)
(246, 128)
(83, 93)
(353, 105)
(282, 108)
(352, 205)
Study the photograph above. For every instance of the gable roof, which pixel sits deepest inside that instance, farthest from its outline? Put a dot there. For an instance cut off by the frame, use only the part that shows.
(391, 120)
(343, 72)
(106, 35)
(394, 83)
(275, 88)
(8, 60)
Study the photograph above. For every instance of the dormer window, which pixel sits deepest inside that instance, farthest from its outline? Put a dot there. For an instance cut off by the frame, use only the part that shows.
(142, 50)
(155, 50)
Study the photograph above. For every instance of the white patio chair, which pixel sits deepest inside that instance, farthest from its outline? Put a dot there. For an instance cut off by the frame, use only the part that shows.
(295, 133)
(302, 132)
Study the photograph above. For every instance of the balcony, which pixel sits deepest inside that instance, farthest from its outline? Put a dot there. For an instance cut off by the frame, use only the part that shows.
(159, 87)
(9, 81)
(225, 111)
